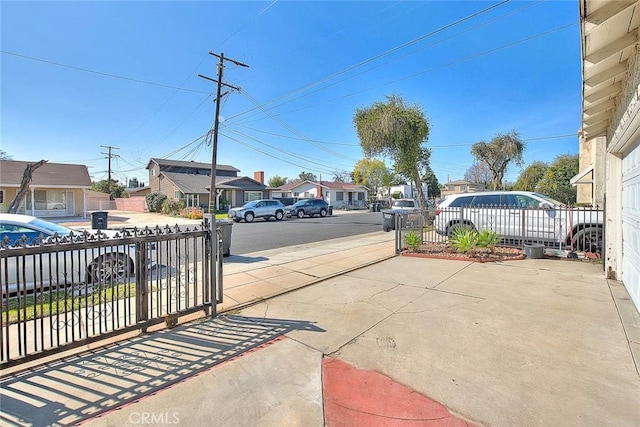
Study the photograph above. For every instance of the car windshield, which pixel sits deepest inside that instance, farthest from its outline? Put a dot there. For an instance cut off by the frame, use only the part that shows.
(403, 203)
(300, 203)
(550, 200)
(251, 204)
(51, 227)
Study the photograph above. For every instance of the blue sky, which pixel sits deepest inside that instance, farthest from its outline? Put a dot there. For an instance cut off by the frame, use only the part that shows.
(80, 75)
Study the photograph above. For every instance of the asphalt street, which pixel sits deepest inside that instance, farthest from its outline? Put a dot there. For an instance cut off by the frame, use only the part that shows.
(263, 235)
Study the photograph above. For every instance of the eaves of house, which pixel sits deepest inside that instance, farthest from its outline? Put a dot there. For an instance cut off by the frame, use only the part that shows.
(609, 34)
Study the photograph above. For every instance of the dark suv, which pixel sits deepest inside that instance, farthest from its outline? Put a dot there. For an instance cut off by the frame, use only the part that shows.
(309, 207)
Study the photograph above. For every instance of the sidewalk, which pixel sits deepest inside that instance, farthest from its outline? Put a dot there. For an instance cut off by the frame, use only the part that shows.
(527, 343)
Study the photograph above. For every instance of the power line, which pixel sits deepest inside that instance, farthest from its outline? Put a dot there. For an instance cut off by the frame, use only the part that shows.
(380, 55)
(289, 153)
(100, 73)
(467, 58)
(398, 58)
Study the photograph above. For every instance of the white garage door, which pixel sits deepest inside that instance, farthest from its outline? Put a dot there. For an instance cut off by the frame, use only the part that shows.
(631, 223)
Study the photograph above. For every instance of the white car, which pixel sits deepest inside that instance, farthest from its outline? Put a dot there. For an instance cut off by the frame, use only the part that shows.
(522, 215)
(103, 264)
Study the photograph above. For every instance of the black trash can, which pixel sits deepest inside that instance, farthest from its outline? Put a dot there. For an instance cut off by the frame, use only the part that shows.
(225, 232)
(389, 219)
(330, 210)
(99, 220)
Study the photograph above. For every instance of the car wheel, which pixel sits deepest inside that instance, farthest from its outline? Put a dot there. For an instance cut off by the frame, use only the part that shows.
(588, 240)
(323, 213)
(110, 269)
(453, 227)
(279, 215)
(300, 213)
(248, 217)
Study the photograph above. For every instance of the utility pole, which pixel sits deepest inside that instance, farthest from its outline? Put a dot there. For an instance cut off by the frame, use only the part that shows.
(216, 123)
(109, 156)
(212, 186)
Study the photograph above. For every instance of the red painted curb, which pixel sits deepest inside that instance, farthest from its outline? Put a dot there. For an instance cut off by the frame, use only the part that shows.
(355, 397)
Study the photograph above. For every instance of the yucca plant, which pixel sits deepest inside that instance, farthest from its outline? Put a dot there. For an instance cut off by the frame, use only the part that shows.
(413, 241)
(488, 239)
(464, 238)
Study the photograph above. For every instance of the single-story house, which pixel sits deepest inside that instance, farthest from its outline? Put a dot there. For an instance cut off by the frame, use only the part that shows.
(340, 195)
(461, 186)
(56, 189)
(404, 191)
(190, 182)
(609, 156)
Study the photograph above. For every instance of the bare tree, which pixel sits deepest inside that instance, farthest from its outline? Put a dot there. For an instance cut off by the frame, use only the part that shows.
(27, 176)
(479, 173)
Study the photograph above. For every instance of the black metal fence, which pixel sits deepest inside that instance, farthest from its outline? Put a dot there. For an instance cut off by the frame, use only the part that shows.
(67, 292)
(572, 229)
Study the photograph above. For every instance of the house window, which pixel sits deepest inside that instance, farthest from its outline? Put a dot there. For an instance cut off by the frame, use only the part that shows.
(177, 195)
(296, 194)
(463, 188)
(252, 195)
(153, 171)
(1, 197)
(360, 195)
(339, 196)
(307, 195)
(47, 200)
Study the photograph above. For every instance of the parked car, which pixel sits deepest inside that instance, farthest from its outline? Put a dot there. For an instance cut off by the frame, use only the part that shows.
(264, 208)
(310, 207)
(406, 204)
(107, 264)
(522, 215)
(413, 205)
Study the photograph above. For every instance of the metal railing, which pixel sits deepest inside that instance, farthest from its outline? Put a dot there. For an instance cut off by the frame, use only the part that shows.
(69, 291)
(573, 229)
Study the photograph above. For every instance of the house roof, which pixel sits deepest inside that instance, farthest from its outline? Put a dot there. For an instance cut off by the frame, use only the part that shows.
(182, 163)
(326, 184)
(609, 37)
(50, 175)
(199, 184)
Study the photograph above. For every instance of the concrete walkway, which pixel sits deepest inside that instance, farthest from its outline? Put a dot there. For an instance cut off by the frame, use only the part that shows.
(398, 341)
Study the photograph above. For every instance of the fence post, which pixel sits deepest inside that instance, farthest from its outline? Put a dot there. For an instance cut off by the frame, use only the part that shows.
(142, 290)
(523, 227)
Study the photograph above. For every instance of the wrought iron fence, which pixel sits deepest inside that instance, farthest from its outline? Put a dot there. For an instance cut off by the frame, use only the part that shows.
(69, 291)
(567, 228)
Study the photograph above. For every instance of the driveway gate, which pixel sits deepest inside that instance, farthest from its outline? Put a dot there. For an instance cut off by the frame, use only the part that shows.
(67, 292)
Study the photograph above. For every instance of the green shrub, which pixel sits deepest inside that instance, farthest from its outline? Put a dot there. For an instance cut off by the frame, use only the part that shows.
(413, 241)
(172, 207)
(488, 239)
(155, 201)
(464, 238)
